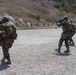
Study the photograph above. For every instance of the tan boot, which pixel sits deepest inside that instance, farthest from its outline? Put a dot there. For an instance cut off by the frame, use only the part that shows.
(3, 60)
(8, 62)
(67, 51)
(57, 50)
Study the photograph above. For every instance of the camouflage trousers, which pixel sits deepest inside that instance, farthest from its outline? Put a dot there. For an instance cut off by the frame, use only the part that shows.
(6, 44)
(64, 37)
(71, 35)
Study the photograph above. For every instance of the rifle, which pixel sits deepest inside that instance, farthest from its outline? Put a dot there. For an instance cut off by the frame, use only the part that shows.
(1, 22)
(60, 22)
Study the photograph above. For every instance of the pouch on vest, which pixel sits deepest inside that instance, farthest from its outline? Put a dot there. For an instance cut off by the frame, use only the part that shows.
(14, 34)
(4, 34)
(8, 30)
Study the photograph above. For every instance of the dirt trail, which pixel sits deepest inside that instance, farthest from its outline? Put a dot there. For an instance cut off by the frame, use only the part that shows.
(33, 54)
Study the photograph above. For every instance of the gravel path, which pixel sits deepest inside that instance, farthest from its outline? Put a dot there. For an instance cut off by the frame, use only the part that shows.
(33, 54)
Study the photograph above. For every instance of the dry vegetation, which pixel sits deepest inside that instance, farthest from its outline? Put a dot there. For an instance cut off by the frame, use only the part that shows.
(34, 11)
(25, 8)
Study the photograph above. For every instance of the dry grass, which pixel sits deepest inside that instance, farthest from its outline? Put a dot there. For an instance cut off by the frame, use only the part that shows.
(22, 8)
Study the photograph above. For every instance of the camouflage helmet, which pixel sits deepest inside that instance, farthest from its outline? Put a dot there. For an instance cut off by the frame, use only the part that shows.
(65, 18)
(71, 21)
(5, 19)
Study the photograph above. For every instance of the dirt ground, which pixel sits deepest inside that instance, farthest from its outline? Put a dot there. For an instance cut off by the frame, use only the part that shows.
(33, 54)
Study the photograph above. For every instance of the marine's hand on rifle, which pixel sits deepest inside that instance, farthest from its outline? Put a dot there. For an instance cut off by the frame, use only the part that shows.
(58, 23)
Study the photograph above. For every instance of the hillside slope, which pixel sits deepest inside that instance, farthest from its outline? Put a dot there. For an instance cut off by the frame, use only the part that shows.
(48, 10)
(27, 8)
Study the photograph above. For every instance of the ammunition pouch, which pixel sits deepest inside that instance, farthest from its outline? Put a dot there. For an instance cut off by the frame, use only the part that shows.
(14, 35)
(3, 34)
(6, 32)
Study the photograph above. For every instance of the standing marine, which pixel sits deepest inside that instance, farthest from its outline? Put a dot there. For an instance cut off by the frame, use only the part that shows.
(72, 33)
(7, 36)
(66, 27)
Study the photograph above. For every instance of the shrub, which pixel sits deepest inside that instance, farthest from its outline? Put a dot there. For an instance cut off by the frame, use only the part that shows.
(62, 13)
(36, 16)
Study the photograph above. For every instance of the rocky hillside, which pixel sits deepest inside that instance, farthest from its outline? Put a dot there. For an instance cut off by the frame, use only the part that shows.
(28, 9)
(38, 10)
(67, 6)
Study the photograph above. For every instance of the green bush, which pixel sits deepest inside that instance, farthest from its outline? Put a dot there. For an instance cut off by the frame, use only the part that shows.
(36, 16)
(66, 6)
(63, 13)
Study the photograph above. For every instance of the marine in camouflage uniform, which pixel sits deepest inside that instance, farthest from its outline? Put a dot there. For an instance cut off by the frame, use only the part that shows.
(72, 33)
(66, 27)
(7, 40)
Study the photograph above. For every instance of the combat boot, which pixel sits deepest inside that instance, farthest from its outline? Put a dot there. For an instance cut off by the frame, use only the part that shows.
(73, 44)
(3, 60)
(8, 62)
(67, 51)
(58, 50)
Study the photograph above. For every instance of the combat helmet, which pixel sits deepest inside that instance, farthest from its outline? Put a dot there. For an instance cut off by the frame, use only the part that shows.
(65, 18)
(5, 19)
